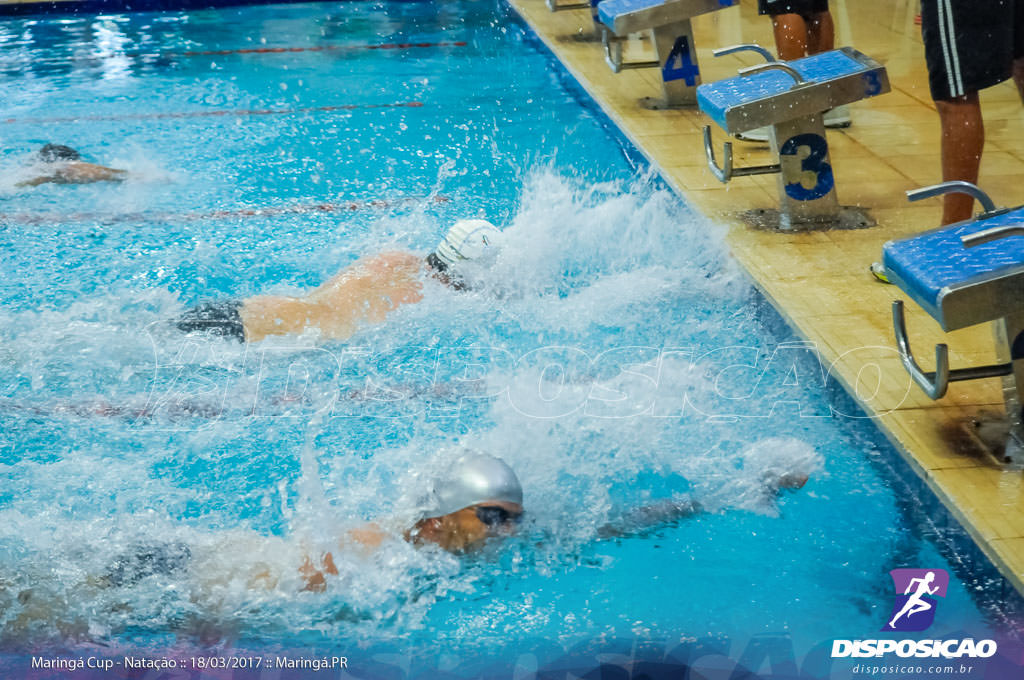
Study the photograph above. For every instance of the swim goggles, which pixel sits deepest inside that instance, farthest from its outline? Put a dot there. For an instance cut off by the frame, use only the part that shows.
(493, 515)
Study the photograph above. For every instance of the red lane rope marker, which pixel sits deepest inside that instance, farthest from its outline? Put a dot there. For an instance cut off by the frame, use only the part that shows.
(266, 211)
(11, 62)
(315, 48)
(213, 112)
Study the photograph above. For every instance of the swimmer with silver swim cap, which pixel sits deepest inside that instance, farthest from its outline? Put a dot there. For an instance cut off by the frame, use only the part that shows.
(478, 496)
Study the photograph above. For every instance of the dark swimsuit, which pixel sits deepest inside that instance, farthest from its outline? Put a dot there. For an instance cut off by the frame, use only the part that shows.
(216, 318)
(163, 559)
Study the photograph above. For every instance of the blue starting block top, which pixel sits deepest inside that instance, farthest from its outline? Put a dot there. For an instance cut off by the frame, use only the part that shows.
(836, 77)
(961, 286)
(658, 12)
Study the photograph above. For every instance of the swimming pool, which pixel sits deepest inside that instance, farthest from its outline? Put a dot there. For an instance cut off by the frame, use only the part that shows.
(614, 356)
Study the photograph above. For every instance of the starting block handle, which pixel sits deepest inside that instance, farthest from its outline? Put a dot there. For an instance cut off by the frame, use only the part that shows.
(745, 47)
(956, 186)
(935, 384)
(555, 7)
(613, 53)
(773, 66)
(993, 234)
(726, 173)
(723, 174)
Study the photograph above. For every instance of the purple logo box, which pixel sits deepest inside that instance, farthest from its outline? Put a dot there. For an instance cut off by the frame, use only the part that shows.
(916, 590)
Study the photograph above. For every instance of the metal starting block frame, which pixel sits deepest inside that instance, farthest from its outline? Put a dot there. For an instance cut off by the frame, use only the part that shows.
(791, 98)
(556, 6)
(672, 36)
(964, 274)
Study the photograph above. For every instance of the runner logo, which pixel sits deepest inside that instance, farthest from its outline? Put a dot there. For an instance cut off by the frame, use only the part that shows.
(913, 611)
(916, 590)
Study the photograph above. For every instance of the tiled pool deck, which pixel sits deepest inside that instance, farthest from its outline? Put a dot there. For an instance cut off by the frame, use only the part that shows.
(819, 280)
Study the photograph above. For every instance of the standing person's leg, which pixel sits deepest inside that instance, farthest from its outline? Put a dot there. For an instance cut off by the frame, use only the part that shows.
(1018, 47)
(821, 32)
(1018, 76)
(791, 36)
(821, 37)
(958, 68)
(963, 138)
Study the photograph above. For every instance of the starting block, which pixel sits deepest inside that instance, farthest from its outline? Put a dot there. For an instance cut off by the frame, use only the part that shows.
(669, 23)
(964, 274)
(791, 98)
(556, 6)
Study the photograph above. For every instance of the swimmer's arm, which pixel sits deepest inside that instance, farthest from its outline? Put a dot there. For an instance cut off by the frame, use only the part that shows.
(84, 173)
(669, 511)
(78, 173)
(648, 517)
(364, 539)
(36, 181)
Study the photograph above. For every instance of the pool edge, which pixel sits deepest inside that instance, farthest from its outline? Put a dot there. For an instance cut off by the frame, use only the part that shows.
(611, 92)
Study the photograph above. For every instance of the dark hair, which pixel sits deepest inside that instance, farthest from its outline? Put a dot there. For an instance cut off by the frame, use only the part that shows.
(437, 264)
(52, 153)
(444, 274)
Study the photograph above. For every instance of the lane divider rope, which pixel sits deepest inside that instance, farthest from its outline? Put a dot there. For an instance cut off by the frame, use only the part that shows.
(246, 212)
(207, 113)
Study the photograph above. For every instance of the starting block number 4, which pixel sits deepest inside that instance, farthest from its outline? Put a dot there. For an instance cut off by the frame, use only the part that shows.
(680, 64)
(811, 152)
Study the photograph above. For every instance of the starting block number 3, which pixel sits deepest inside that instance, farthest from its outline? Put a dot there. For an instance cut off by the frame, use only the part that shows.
(810, 151)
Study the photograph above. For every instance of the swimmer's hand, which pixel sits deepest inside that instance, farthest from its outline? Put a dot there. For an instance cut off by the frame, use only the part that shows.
(649, 517)
(315, 580)
(363, 540)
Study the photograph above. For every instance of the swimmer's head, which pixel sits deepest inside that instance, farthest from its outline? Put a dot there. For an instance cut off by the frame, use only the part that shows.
(466, 240)
(58, 153)
(474, 478)
(476, 496)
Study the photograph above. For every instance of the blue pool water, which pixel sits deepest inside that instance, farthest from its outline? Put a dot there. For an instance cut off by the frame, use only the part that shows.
(613, 355)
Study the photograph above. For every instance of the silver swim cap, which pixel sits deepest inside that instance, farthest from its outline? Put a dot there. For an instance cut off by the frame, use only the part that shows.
(474, 478)
(467, 240)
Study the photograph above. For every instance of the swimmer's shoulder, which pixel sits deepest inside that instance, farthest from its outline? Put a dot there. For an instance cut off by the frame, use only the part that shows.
(394, 261)
(79, 172)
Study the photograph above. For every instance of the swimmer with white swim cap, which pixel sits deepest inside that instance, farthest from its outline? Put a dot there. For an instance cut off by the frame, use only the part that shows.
(363, 293)
(466, 240)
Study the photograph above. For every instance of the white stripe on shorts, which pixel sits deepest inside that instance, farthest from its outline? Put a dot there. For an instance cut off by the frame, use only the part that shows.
(947, 32)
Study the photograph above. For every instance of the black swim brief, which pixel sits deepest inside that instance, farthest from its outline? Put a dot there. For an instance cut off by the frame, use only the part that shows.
(216, 318)
(804, 8)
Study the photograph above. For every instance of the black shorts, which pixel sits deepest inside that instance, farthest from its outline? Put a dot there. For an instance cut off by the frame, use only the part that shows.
(802, 7)
(215, 318)
(970, 44)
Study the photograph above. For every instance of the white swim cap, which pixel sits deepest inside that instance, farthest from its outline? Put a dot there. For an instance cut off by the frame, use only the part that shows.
(471, 479)
(467, 240)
